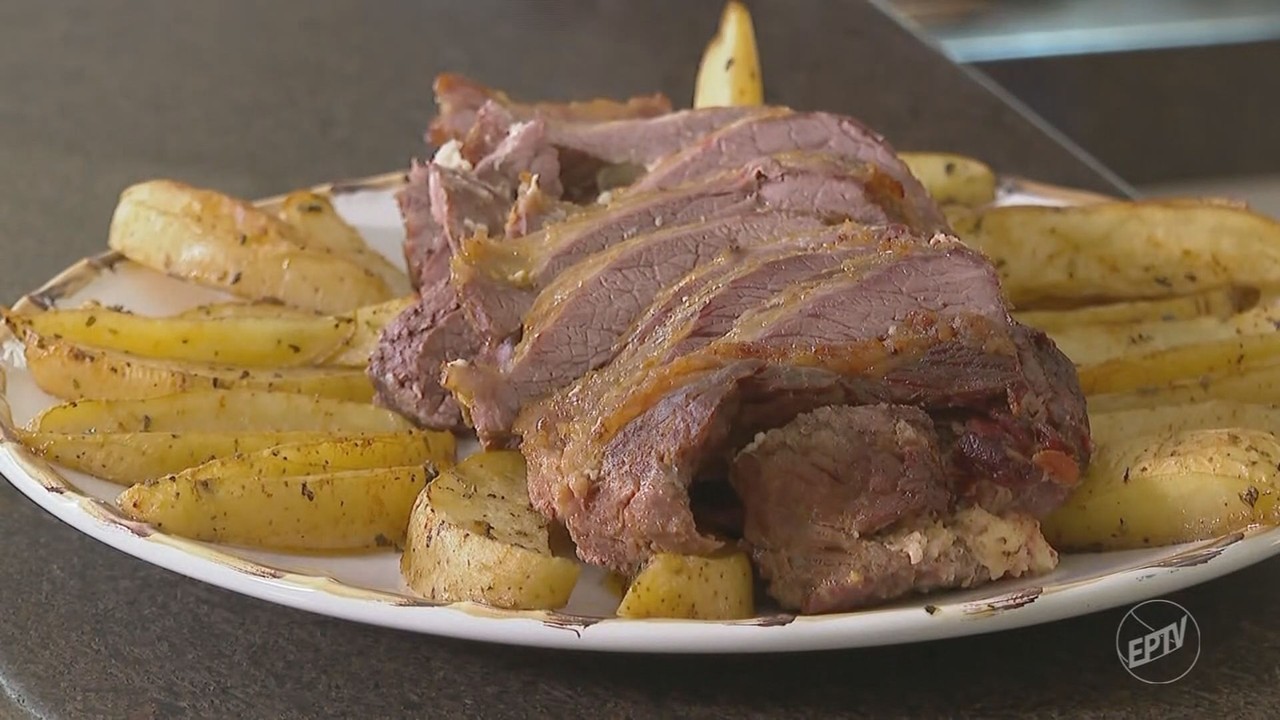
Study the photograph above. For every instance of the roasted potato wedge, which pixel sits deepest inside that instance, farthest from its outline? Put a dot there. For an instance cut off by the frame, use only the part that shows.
(241, 410)
(691, 587)
(1172, 476)
(332, 454)
(75, 372)
(474, 537)
(1094, 344)
(334, 511)
(321, 227)
(1163, 367)
(222, 242)
(1112, 251)
(1220, 303)
(244, 341)
(220, 311)
(1249, 384)
(953, 179)
(729, 73)
(128, 457)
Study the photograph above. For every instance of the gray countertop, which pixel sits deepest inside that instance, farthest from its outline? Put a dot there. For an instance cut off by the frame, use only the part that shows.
(259, 98)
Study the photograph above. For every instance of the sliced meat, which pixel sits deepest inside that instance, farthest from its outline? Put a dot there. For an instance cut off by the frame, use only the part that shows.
(829, 188)
(459, 99)
(772, 133)
(923, 324)
(918, 555)
(576, 323)
(815, 489)
(645, 141)
(534, 209)
(400, 366)
(441, 206)
(501, 196)
(840, 472)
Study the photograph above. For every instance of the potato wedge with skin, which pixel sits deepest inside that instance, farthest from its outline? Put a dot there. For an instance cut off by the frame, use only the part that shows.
(1250, 385)
(1123, 250)
(1166, 488)
(474, 537)
(219, 311)
(1162, 367)
(245, 341)
(1095, 344)
(232, 411)
(129, 457)
(320, 226)
(1220, 303)
(222, 242)
(729, 73)
(334, 454)
(337, 511)
(75, 372)
(691, 587)
(953, 179)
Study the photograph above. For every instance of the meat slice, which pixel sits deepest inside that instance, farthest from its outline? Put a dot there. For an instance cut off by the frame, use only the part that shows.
(577, 321)
(459, 99)
(642, 142)
(761, 135)
(850, 506)
(919, 324)
(400, 366)
(829, 188)
(840, 472)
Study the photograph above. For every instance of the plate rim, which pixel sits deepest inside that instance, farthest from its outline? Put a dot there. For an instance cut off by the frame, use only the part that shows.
(40, 481)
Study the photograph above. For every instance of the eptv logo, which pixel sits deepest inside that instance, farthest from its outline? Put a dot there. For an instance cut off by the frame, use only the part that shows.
(1158, 642)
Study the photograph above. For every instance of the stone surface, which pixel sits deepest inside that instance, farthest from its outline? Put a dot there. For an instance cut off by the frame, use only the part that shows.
(258, 98)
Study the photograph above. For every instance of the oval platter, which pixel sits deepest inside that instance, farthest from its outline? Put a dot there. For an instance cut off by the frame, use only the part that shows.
(368, 588)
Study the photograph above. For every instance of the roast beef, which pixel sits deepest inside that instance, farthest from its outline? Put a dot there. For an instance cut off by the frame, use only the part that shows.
(918, 323)
(772, 133)
(827, 187)
(729, 325)
(849, 505)
(459, 99)
(576, 322)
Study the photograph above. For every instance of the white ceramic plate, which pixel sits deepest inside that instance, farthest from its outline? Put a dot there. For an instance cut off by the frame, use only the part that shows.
(368, 588)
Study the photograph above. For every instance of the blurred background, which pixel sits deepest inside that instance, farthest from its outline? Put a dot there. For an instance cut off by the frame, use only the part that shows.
(1177, 96)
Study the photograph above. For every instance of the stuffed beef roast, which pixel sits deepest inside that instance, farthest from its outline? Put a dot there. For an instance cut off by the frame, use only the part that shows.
(729, 326)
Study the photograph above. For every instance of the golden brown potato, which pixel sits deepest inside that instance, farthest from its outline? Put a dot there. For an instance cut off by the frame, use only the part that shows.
(259, 309)
(953, 179)
(75, 372)
(245, 341)
(691, 587)
(474, 537)
(336, 453)
(1249, 384)
(1123, 250)
(729, 73)
(320, 227)
(1172, 475)
(1162, 367)
(129, 457)
(219, 411)
(218, 241)
(1094, 344)
(1220, 303)
(323, 512)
